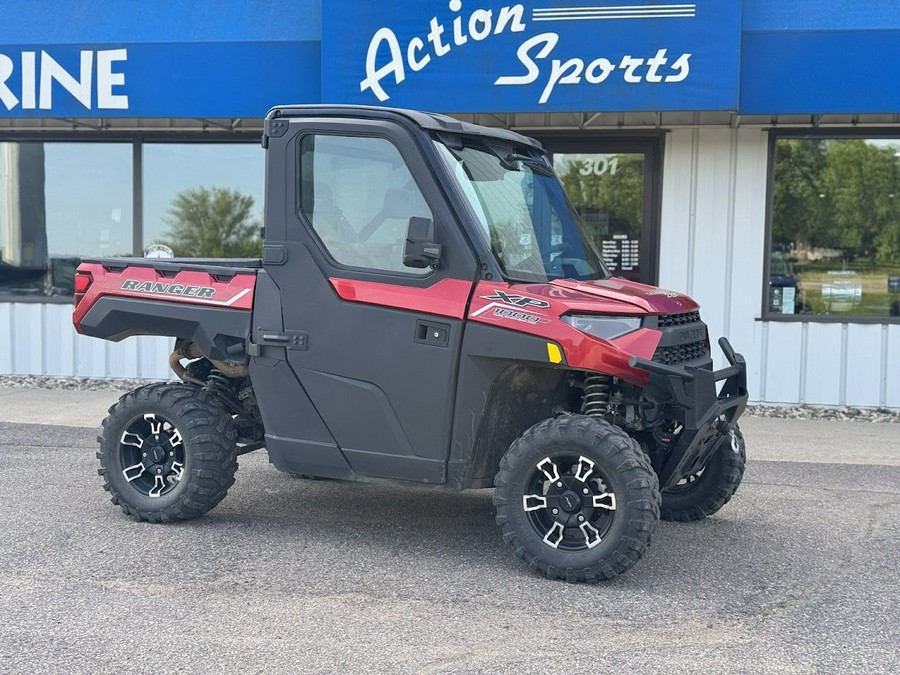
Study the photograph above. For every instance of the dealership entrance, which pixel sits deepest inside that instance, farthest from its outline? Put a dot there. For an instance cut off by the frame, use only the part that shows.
(614, 183)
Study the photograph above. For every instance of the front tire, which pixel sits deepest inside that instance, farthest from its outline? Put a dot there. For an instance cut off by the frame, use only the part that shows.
(577, 499)
(702, 494)
(167, 452)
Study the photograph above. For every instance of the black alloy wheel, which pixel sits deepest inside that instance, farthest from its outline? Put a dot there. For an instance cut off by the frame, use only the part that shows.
(577, 499)
(569, 503)
(704, 492)
(167, 452)
(686, 483)
(152, 454)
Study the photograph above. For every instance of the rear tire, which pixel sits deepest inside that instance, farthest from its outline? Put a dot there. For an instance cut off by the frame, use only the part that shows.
(702, 494)
(577, 499)
(167, 452)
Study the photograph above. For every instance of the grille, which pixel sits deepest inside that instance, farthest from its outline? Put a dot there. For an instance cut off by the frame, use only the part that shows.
(679, 353)
(668, 320)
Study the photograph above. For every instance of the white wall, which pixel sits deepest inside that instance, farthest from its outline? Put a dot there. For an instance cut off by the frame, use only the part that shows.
(39, 339)
(712, 247)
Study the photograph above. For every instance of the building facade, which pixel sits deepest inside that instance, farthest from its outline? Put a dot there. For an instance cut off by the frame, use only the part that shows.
(746, 153)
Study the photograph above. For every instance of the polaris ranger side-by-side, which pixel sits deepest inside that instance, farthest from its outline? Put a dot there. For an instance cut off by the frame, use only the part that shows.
(428, 308)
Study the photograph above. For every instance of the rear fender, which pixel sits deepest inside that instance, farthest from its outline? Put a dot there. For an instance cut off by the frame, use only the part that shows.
(175, 282)
(220, 333)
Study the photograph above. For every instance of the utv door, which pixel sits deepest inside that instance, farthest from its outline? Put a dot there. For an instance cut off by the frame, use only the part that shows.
(379, 341)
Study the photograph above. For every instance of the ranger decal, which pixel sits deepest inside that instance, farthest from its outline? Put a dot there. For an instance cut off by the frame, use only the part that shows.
(168, 289)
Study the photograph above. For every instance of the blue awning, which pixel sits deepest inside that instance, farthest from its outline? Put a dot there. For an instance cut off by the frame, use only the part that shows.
(121, 58)
(820, 57)
(62, 22)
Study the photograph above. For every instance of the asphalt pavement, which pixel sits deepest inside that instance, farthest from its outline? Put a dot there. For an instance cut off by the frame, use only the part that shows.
(798, 574)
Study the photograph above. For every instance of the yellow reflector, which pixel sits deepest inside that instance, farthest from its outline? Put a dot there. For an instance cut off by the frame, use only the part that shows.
(553, 353)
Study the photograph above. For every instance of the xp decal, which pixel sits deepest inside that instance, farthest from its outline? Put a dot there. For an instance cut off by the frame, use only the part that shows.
(504, 313)
(511, 306)
(517, 300)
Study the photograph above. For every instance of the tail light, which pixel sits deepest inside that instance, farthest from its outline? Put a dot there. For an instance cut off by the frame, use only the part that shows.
(83, 281)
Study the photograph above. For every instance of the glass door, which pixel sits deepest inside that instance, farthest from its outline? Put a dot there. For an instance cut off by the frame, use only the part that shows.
(614, 187)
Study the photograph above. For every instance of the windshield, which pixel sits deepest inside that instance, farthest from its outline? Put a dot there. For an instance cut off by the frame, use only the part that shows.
(533, 230)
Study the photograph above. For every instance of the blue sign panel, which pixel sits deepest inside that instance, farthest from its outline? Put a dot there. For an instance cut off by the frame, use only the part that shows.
(540, 55)
(228, 79)
(817, 58)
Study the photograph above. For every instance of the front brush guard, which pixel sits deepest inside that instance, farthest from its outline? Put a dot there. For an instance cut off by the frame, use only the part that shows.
(706, 416)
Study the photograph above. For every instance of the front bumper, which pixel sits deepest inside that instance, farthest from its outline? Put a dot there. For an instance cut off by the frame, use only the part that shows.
(706, 416)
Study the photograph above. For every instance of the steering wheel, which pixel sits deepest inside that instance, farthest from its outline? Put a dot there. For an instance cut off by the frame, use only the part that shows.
(563, 247)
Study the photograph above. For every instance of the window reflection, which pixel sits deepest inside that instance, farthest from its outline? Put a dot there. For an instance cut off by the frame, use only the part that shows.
(204, 199)
(835, 245)
(60, 202)
(359, 195)
(607, 190)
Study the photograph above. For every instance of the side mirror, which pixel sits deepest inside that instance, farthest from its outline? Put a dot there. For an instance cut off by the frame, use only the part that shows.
(420, 250)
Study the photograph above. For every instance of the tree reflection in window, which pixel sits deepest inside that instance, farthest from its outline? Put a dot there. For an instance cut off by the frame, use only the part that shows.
(835, 243)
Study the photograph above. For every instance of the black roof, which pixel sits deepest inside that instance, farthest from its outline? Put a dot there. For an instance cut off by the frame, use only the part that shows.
(426, 120)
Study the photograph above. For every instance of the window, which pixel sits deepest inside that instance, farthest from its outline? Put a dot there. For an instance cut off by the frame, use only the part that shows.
(615, 184)
(523, 211)
(204, 200)
(60, 202)
(608, 192)
(834, 244)
(358, 195)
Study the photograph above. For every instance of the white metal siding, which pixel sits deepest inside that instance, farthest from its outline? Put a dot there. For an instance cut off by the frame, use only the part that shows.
(891, 365)
(820, 357)
(39, 339)
(712, 246)
(6, 345)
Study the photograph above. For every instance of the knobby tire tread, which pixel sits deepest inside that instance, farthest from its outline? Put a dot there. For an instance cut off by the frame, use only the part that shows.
(636, 473)
(711, 492)
(206, 428)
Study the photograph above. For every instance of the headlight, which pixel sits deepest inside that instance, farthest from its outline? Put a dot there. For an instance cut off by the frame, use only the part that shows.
(604, 327)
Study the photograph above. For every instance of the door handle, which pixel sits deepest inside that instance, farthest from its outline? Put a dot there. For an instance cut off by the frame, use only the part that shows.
(276, 337)
(272, 338)
(432, 333)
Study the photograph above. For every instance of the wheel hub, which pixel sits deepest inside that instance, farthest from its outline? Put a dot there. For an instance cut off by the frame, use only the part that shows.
(152, 455)
(568, 502)
(157, 454)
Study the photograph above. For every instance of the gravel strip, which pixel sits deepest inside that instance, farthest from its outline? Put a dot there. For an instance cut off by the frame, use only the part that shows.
(802, 412)
(71, 383)
(810, 412)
